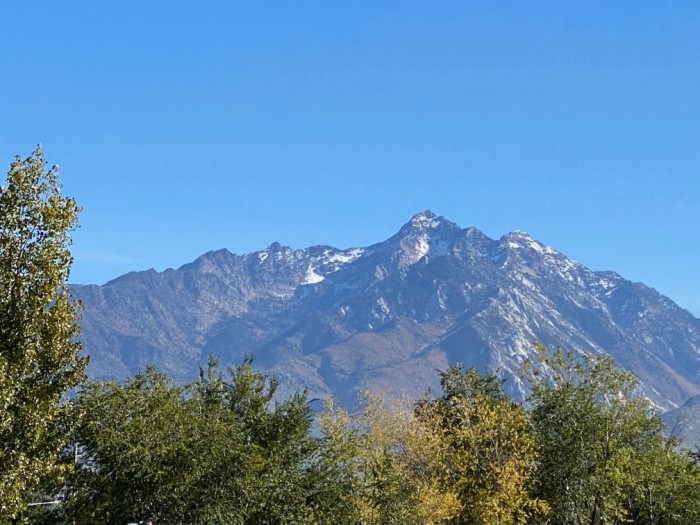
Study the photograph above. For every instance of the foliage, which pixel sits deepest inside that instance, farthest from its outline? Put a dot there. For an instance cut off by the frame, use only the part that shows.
(603, 458)
(458, 383)
(225, 450)
(39, 359)
(387, 464)
(489, 453)
(212, 452)
(665, 488)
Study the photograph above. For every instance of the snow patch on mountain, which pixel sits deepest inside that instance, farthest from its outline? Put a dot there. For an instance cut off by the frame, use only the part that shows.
(346, 256)
(312, 277)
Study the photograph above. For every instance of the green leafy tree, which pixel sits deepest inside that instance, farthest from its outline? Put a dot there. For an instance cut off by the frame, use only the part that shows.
(135, 459)
(216, 451)
(279, 449)
(602, 449)
(456, 382)
(665, 488)
(39, 359)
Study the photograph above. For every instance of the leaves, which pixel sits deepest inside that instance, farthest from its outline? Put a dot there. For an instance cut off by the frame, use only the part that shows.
(39, 359)
(222, 450)
(603, 457)
(213, 451)
(387, 464)
(489, 454)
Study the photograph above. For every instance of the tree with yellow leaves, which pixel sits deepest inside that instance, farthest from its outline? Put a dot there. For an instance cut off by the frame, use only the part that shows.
(389, 461)
(488, 454)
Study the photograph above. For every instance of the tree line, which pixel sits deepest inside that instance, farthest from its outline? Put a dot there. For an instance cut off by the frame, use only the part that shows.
(222, 450)
(585, 449)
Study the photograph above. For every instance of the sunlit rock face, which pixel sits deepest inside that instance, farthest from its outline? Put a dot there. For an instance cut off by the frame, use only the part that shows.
(390, 315)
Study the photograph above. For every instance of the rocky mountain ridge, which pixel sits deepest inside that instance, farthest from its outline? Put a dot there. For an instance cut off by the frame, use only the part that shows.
(388, 315)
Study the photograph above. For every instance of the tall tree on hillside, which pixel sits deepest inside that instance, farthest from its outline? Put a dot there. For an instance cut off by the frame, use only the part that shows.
(38, 324)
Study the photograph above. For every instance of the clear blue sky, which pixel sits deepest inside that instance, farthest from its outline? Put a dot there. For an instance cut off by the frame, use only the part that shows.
(182, 127)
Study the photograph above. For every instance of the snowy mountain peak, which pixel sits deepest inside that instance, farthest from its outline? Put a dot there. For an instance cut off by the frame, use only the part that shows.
(425, 234)
(387, 316)
(519, 239)
(427, 220)
(424, 217)
(518, 236)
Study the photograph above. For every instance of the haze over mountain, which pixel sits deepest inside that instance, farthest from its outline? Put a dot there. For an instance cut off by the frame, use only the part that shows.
(387, 316)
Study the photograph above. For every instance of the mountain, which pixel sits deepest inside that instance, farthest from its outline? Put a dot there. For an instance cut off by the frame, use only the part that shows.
(387, 316)
(684, 423)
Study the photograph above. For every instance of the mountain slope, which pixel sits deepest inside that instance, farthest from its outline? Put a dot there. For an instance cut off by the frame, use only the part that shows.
(387, 316)
(684, 423)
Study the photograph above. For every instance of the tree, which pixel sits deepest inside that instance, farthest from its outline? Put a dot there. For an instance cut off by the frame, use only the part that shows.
(134, 452)
(39, 359)
(464, 458)
(602, 449)
(279, 448)
(385, 464)
(216, 451)
(489, 453)
(665, 487)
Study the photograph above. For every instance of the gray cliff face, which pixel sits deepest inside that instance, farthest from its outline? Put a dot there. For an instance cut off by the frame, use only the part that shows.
(683, 423)
(388, 316)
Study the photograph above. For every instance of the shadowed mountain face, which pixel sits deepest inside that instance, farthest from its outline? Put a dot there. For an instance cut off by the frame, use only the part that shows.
(388, 316)
(684, 423)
